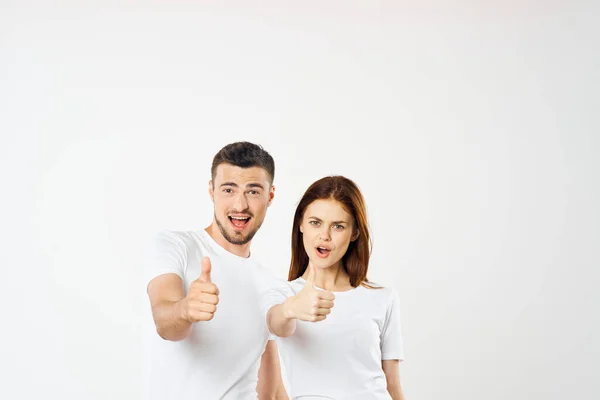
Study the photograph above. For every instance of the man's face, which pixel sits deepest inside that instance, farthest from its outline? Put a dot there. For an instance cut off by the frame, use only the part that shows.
(241, 197)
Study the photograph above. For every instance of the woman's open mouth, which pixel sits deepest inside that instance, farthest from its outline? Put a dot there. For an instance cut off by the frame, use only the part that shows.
(323, 252)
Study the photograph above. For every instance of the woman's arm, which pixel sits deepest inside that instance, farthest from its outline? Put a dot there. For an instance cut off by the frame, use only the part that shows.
(391, 368)
(279, 320)
(270, 384)
(309, 304)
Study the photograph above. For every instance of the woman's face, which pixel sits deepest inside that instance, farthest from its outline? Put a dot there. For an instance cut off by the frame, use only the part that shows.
(327, 232)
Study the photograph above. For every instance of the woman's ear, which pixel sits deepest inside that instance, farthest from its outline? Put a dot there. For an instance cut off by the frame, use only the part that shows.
(355, 235)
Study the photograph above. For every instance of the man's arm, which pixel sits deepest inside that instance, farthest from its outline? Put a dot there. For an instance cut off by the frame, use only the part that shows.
(173, 311)
(391, 368)
(166, 298)
(270, 385)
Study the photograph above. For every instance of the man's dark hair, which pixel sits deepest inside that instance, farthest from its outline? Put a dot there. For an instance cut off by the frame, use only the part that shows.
(244, 155)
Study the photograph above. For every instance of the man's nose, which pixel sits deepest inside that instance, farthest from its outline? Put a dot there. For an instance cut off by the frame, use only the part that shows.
(240, 203)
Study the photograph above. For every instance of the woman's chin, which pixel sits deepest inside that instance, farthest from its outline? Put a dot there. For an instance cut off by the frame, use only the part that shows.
(321, 264)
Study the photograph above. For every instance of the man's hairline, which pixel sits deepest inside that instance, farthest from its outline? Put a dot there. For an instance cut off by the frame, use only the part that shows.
(270, 180)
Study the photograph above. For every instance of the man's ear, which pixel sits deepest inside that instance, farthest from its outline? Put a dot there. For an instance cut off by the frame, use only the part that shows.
(271, 195)
(211, 190)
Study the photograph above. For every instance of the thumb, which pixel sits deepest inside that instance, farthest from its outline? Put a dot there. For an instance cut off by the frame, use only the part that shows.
(310, 278)
(206, 267)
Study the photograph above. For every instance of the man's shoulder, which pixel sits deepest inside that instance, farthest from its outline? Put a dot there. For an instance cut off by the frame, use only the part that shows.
(177, 237)
(265, 275)
(267, 279)
(296, 284)
(261, 269)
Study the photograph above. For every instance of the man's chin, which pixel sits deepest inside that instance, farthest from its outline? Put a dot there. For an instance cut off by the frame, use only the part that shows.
(237, 237)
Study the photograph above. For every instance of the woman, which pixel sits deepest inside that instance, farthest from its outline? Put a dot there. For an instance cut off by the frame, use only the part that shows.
(339, 335)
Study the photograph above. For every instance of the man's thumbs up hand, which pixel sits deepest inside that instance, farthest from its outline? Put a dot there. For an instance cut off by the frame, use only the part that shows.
(206, 267)
(203, 296)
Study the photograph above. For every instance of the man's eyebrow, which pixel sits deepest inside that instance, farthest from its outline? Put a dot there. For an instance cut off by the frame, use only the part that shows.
(258, 185)
(249, 185)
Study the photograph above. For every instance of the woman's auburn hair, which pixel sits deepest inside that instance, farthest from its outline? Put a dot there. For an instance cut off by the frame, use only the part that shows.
(356, 259)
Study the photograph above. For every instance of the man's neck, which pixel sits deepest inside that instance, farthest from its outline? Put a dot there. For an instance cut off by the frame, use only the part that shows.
(240, 250)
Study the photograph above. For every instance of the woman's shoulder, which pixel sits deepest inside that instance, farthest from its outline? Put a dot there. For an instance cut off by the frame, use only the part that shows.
(375, 289)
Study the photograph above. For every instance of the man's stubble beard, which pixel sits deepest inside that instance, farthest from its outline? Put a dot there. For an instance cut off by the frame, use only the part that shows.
(236, 240)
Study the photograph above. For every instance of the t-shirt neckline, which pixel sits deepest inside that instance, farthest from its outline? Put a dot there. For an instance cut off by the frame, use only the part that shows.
(301, 279)
(222, 251)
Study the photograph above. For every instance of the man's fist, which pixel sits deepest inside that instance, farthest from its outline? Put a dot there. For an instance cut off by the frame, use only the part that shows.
(201, 301)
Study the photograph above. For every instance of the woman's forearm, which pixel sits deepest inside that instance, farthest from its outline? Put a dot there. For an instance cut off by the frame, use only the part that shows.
(280, 321)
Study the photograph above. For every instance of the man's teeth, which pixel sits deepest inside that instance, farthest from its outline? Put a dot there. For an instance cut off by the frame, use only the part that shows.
(240, 218)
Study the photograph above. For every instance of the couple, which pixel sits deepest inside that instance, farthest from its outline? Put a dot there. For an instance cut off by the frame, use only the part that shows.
(221, 318)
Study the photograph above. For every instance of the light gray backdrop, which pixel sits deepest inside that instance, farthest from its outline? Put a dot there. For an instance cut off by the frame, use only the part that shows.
(472, 129)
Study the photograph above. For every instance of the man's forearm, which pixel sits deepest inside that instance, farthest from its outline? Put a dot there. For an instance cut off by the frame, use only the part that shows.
(170, 321)
(279, 323)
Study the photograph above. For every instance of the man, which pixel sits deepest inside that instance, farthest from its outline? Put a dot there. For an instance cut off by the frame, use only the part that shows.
(205, 291)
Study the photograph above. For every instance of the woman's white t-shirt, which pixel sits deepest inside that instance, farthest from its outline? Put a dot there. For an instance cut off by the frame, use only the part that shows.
(341, 356)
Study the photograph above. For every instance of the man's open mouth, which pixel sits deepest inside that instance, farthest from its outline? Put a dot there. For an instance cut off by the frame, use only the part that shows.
(239, 222)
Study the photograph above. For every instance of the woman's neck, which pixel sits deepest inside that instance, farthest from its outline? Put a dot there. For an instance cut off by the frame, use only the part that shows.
(333, 279)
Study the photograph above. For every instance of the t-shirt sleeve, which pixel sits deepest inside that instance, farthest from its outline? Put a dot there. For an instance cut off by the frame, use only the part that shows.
(391, 334)
(276, 293)
(166, 253)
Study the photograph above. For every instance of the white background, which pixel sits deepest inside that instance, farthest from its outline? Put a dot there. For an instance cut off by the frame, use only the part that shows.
(472, 129)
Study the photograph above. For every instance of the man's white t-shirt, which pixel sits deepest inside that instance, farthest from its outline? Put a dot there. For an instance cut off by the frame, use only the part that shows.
(221, 357)
(341, 356)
